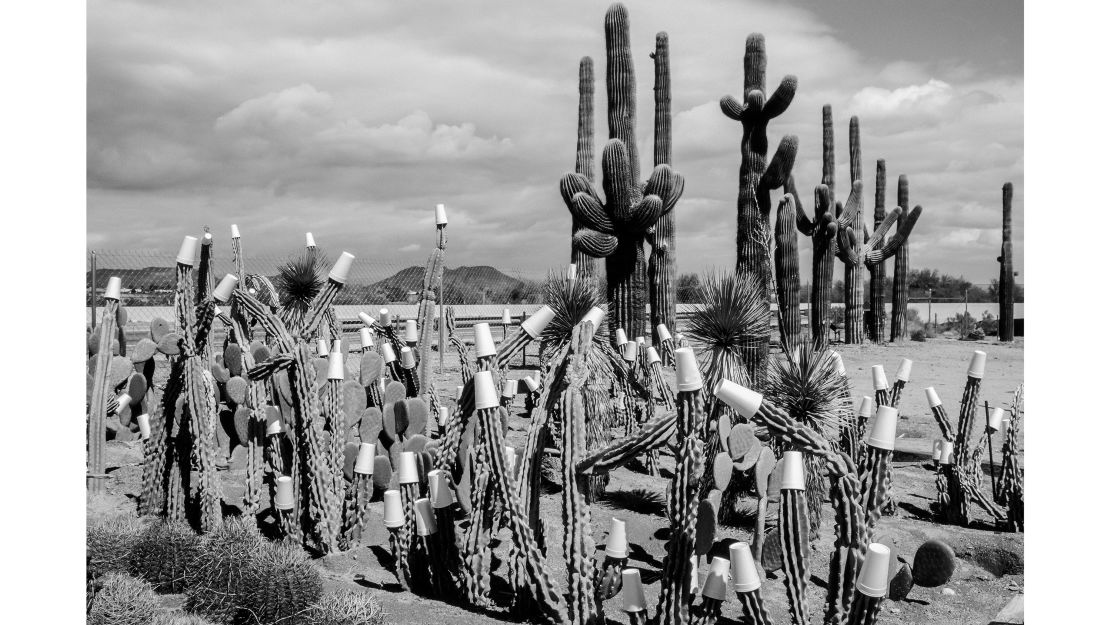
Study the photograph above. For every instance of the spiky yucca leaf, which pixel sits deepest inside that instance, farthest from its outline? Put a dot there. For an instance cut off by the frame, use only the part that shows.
(571, 300)
(807, 386)
(298, 282)
(733, 319)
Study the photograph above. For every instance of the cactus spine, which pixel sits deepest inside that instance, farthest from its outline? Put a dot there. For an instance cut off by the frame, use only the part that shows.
(901, 288)
(876, 330)
(786, 274)
(661, 265)
(1006, 268)
(584, 156)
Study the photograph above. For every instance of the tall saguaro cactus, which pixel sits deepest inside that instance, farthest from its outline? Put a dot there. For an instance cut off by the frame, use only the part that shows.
(617, 228)
(786, 273)
(876, 330)
(661, 265)
(901, 288)
(584, 155)
(853, 273)
(1006, 268)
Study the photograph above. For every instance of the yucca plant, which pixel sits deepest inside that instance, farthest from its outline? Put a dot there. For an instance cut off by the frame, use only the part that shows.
(298, 283)
(727, 329)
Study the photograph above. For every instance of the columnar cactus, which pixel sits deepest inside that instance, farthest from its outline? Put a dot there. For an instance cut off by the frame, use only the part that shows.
(617, 228)
(426, 312)
(1006, 268)
(1011, 486)
(97, 413)
(661, 265)
(876, 329)
(794, 536)
(901, 289)
(871, 587)
(584, 156)
(787, 280)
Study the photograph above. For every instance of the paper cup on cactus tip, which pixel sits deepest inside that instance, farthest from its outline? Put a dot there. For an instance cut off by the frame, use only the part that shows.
(283, 496)
(874, 575)
(458, 393)
(408, 473)
(444, 415)
(342, 268)
(234, 231)
(716, 582)
(653, 356)
(322, 347)
(994, 420)
(206, 239)
(485, 393)
(595, 316)
(904, 368)
(745, 577)
(537, 322)
(616, 546)
(741, 399)
(411, 333)
(532, 384)
(367, 320)
(274, 427)
(838, 360)
(113, 289)
(619, 337)
(629, 350)
(364, 464)
(408, 358)
(884, 429)
(878, 378)
(144, 426)
(309, 240)
(388, 355)
(225, 288)
(124, 400)
(793, 471)
(384, 317)
(932, 397)
(425, 518)
(483, 340)
(506, 317)
(508, 388)
(188, 251)
(679, 337)
(663, 332)
(938, 444)
(441, 215)
(866, 407)
(978, 364)
(439, 489)
(336, 370)
(687, 376)
(366, 339)
(632, 591)
(393, 512)
(572, 272)
(946, 451)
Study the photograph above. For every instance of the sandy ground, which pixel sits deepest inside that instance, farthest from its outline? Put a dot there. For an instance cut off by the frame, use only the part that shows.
(989, 574)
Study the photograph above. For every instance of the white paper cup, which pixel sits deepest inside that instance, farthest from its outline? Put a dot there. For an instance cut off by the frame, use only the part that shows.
(716, 582)
(274, 428)
(144, 426)
(640, 340)
(384, 317)
(441, 215)
(364, 464)
(394, 514)
(884, 429)
(283, 496)
(978, 364)
(663, 332)
(309, 241)
(938, 444)
(336, 370)
(225, 288)
(572, 272)
(653, 356)
(628, 351)
(508, 388)
(866, 407)
(878, 378)
(745, 577)
(874, 574)
(367, 320)
(408, 473)
(187, 253)
(839, 360)
(535, 324)
(483, 341)
(994, 419)
(904, 370)
(322, 347)
(113, 289)
(124, 400)
(619, 337)
(687, 376)
(412, 335)
(595, 315)
(632, 591)
(425, 518)
(532, 384)
(458, 393)
(793, 471)
(342, 268)
(506, 317)
(366, 339)
(616, 546)
(388, 355)
(234, 231)
(439, 489)
(932, 397)
(408, 358)
(741, 399)
(946, 450)
(485, 393)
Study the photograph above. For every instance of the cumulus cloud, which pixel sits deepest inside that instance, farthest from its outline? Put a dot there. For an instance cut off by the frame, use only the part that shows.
(930, 98)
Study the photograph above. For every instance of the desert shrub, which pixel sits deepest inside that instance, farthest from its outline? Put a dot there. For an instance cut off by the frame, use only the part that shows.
(215, 579)
(346, 607)
(989, 324)
(108, 543)
(918, 335)
(280, 586)
(162, 554)
(975, 335)
(123, 600)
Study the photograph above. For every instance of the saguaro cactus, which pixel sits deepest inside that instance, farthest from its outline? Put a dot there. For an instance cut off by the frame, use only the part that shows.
(876, 329)
(901, 289)
(617, 228)
(584, 155)
(661, 265)
(1006, 268)
(786, 274)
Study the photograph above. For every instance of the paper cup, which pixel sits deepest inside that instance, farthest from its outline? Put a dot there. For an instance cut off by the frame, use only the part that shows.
(283, 496)
(234, 231)
(483, 341)
(572, 272)
(904, 370)
(124, 400)
(619, 337)
(793, 471)
(616, 546)
(866, 408)
(444, 416)
(686, 368)
(309, 241)
(745, 577)
(225, 288)
(931, 395)
(458, 393)
(716, 582)
(366, 339)
(508, 388)
(874, 574)
(336, 370)
(187, 253)
(946, 450)
(408, 358)
(408, 473)
(144, 426)
(628, 351)
(938, 445)
(112, 290)
(384, 317)
(412, 335)
(322, 347)
(342, 268)
(743, 400)
(441, 215)
(994, 419)
(640, 340)
(439, 489)
(485, 393)
(839, 361)
(506, 317)
(535, 324)
(425, 518)
(653, 356)
(632, 591)
(693, 588)
(388, 355)
(532, 384)
(663, 332)
(595, 316)
(394, 514)
(364, 464)
(884, 428)
(978, 364)
(275, 427)
(367, 320)
(878, 378)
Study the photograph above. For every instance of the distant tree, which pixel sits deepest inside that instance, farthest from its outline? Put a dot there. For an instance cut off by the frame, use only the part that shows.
(686, 288)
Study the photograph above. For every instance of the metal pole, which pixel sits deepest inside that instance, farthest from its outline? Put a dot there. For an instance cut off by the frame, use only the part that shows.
(92, 288)
(990, 447)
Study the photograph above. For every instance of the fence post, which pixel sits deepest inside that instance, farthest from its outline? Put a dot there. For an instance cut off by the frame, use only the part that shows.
(965, 301)
(442, 322)
(92, 288)
(930, 314)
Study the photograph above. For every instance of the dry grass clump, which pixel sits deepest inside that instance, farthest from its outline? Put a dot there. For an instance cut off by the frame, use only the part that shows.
(346, 607)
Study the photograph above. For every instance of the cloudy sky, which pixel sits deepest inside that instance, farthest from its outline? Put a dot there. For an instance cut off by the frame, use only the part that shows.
(353, 119)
